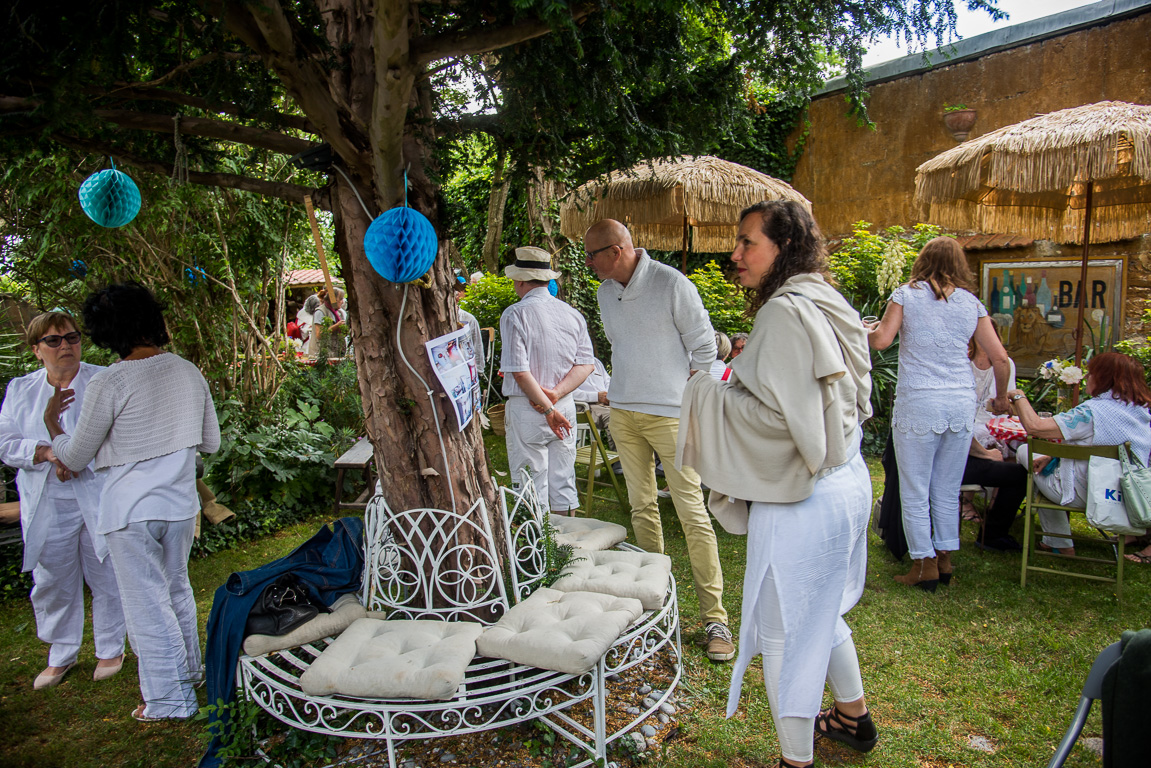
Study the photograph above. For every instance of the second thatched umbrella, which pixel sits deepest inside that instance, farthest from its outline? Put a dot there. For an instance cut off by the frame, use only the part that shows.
(688, 203)
(1071, 176)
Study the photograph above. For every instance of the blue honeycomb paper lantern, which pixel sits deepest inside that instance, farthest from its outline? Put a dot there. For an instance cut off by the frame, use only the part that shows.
(110, 198)
(78, 269)
(553, 288)
(401, 245)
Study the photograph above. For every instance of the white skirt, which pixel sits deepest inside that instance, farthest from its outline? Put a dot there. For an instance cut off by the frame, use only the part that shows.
(817, 551)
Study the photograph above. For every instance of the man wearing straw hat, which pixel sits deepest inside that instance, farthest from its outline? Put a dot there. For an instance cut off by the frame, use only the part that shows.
(661, 335)
(547, 353)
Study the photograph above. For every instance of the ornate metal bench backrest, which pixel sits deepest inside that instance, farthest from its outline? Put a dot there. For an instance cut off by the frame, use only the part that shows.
(432, 564)
(523, 519)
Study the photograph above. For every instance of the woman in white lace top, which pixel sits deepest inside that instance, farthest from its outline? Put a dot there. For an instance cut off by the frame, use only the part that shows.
(935, 315)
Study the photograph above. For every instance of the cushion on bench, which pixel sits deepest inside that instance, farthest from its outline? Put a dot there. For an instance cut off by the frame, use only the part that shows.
(640, 575)
(587, 532)
(344, 611)
(562, 631)
(395, 659)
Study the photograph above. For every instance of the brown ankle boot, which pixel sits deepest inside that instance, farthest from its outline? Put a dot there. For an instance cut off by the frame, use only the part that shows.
(943, 562)
(923, 574)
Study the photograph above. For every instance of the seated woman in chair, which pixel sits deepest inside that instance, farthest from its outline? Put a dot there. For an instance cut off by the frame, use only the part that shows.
(1119, 411)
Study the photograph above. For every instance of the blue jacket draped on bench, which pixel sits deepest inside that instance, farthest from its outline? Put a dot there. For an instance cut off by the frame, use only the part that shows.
(331, 564)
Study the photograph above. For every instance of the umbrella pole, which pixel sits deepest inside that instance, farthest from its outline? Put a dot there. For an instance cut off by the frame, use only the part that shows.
(683, 258)
(1082, 290)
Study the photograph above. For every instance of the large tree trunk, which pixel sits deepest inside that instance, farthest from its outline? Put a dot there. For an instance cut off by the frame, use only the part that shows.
(497, 201)
(379, 87)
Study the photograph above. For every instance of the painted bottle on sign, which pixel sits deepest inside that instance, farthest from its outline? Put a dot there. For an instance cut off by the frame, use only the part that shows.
(1043, 293)
(1007, 295)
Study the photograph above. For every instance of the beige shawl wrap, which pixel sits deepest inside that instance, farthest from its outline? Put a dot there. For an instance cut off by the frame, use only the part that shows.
(790, 408)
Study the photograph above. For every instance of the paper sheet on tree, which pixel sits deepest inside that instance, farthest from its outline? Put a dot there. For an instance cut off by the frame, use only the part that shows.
(454, 361)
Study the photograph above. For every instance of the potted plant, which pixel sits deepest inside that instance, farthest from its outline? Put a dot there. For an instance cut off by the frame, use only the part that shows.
(959, 120)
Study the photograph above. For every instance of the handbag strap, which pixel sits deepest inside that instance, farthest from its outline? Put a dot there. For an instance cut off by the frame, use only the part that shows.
(1128, 460)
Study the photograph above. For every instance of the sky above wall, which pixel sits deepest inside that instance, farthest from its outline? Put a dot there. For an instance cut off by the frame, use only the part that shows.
(971, 23)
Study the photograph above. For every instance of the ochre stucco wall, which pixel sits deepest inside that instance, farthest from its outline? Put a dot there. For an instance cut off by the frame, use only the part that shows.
(852, 173)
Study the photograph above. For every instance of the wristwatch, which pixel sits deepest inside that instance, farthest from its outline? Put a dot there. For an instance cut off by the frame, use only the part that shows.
(549, 410)
(1013, 398)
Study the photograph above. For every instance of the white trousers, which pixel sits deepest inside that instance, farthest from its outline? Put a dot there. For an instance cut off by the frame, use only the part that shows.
(796, 734)
(151, 561)
(66, 562)
(1052, 520)
(532, 444)
(930, 473)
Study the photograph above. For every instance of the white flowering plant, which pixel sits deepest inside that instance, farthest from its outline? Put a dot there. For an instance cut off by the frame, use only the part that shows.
(1062, 370)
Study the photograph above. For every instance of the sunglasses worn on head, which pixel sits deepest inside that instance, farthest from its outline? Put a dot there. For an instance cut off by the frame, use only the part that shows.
(53, 341)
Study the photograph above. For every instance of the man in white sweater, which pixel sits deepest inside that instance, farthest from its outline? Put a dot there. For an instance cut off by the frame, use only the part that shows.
(660, 335)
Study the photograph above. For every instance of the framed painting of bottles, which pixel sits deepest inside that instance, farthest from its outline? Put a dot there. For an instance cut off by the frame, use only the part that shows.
(1034, 305)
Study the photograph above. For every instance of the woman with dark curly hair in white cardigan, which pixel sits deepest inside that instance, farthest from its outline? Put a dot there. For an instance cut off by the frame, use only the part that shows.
(143, 420)
(782, 436)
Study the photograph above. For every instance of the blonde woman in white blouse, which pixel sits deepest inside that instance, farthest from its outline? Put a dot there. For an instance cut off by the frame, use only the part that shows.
(58, 510)
(143, 420)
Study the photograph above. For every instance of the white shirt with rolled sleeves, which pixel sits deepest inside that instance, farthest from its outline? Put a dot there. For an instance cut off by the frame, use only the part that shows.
(543, 335)
(659, 332)
(547, 338)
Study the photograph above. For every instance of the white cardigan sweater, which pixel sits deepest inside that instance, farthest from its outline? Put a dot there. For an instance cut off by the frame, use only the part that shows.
(141, 409)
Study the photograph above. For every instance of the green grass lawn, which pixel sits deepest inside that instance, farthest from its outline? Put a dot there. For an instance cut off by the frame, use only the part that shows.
(980, 658)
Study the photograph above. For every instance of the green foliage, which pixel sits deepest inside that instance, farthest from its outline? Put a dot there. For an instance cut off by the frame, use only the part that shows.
(241, 744)
(860, 262)
(867, 266)
(487, 299)
(274, 467)
(725, 302)
(578, 288)
(762, 141)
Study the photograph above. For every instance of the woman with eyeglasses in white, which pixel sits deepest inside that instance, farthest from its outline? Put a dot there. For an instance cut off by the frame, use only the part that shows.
(58, 509)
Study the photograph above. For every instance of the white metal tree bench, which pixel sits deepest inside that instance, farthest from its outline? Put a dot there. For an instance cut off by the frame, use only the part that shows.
(435, 564)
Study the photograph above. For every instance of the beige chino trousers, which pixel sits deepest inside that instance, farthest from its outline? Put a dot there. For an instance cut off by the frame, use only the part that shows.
(638, 438)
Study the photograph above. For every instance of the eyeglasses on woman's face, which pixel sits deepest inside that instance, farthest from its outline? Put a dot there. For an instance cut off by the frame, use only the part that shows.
(54, 340)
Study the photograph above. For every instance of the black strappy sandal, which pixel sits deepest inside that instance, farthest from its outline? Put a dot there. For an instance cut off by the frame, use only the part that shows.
(856, 732)
(785, 763)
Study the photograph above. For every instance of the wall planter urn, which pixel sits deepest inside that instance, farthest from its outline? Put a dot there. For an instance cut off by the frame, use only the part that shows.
(959, 122)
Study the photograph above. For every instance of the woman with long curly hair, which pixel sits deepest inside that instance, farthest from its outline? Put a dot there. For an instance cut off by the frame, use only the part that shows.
(783, 433)
(935, 315)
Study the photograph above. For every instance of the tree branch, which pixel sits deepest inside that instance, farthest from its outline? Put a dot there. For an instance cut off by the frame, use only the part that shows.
(137, 92)
(425, 50)
(199, 126)
(199, 61)
(265, 29)
(279, 189)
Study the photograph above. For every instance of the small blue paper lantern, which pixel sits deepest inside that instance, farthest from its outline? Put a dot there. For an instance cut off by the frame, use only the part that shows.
(194, 275)
(78, 269)
(110, 198)
(553, 288)
(401, 245)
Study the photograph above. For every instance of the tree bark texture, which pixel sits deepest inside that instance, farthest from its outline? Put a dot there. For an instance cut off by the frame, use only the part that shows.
(362, 107)
(497, 201)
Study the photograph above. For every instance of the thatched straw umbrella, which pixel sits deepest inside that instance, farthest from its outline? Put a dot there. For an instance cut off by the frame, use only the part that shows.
(690, 203)
(1071, 176)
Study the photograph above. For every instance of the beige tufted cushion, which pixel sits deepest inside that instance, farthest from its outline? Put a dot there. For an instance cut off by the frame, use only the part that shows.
(587, 532)
(395, 659)
(564, 631)
(344, 611)
(640, 575)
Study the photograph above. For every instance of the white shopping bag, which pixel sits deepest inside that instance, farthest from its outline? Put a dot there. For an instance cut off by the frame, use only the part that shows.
(1105, 509)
